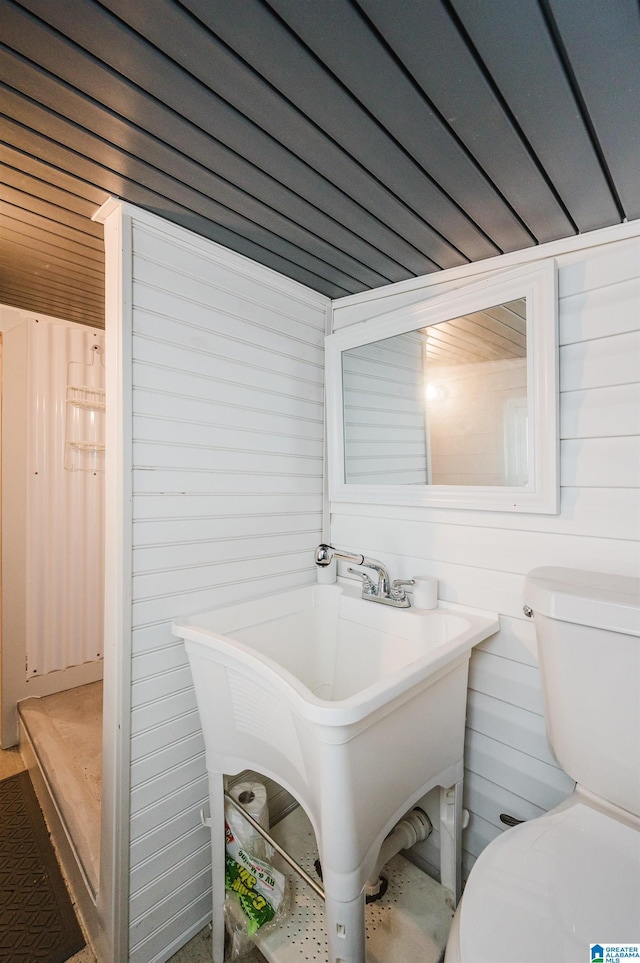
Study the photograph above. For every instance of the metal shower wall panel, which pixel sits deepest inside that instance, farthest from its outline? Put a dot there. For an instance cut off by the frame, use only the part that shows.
(65, 516)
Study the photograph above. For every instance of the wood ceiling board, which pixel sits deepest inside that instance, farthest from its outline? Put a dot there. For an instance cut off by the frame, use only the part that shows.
(45, 209)
(536, 89)
(194, 210)
(213, 163)
(517, 307)
(513, 324)
(40, 295)
(94, 245)
(492, 332)
(28, 165)
(235, 87)
(354, 53)
(240, 145)
(464, 97)
(42, 240)
(259, 38)
(127, 149)
(191, 222)
(36, 270)
(34, 265)
(46, 191)
(611, 91)
(219, 69)
(467, 343)
(21, 249)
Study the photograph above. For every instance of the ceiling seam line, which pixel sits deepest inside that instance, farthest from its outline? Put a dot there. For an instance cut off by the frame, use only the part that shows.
(353, 159)
(267, 134)
(180, 154)
(403, 150)
(572, 80)
(497, 93)
(438, 113)
(195, 190)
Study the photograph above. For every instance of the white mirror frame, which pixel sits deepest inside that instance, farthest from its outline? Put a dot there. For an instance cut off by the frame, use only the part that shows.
(538, 285)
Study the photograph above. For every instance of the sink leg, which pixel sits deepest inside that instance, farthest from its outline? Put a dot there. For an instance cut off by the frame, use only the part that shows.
(345, 929)
(451, 839)
(216, 801)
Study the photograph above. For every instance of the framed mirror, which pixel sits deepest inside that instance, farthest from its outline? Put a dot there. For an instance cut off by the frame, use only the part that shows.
(452, 402)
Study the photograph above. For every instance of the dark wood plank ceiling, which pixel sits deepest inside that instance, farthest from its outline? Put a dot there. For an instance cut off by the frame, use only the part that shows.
(345, 143)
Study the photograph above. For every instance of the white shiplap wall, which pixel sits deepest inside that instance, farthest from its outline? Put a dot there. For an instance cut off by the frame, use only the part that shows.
(227, 417)
(481, 558)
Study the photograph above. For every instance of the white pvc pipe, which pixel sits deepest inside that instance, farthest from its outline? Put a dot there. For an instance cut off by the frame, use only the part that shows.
(415, 827)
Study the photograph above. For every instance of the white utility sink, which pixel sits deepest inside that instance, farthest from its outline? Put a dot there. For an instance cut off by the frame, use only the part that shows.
(335, 656)
(356, 708)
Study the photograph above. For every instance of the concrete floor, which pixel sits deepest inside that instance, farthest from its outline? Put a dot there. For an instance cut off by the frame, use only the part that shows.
(69, 713)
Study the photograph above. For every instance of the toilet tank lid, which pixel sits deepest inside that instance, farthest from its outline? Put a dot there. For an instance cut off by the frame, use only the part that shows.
(598, 599)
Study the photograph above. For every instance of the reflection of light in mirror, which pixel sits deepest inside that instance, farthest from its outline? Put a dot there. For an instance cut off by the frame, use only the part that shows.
(435, 393)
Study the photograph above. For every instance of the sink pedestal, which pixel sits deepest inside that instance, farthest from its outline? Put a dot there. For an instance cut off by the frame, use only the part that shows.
(344, 912)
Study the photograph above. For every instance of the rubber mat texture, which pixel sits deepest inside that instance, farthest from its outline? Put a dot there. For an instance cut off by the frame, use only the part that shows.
(37, 920)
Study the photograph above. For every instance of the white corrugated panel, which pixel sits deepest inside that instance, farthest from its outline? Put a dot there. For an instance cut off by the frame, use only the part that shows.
(65, 516)
(227, 488)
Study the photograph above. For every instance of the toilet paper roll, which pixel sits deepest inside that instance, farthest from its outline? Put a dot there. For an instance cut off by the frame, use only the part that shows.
(252, 796)
(425, 592)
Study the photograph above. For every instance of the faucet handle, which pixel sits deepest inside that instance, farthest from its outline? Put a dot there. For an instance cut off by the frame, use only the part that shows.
(367, 584)
(397, 590)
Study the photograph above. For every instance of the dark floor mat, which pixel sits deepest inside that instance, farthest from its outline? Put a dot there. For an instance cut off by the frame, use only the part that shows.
(37, 920)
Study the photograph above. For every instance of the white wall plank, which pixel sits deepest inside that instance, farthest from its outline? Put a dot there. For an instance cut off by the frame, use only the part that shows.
(597, 364)
(601, 412)
(249, 396)
(600, 313)
(583, 511)
(161, 404)
(481, 558)
(518, 684)
(507, 550)
(540, 782)
(228, 466)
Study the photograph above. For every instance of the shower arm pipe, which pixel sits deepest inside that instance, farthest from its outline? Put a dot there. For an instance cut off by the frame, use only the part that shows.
(318, 890)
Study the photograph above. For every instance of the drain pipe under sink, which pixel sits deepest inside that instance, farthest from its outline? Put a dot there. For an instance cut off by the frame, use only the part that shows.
(412, 829)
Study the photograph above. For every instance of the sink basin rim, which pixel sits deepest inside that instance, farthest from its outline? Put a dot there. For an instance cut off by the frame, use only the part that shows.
(416, 674)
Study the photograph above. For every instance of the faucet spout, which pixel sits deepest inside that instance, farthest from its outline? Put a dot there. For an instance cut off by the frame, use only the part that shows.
(324, 555)
(382, 591)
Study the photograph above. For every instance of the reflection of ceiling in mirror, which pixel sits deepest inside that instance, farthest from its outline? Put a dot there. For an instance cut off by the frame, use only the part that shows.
(493, 334)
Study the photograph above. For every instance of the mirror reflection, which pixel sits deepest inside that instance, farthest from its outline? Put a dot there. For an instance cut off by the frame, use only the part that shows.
(445, 404)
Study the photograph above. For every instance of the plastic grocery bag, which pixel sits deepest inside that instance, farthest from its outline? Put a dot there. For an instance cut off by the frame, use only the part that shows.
(256, 894)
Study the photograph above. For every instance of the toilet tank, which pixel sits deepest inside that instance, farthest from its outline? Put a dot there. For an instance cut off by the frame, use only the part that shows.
(588, 632)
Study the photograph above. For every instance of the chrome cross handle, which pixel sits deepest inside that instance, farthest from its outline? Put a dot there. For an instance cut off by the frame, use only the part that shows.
(397, 590)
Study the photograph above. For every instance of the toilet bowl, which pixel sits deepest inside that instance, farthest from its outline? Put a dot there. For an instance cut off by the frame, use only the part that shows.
(550, 887)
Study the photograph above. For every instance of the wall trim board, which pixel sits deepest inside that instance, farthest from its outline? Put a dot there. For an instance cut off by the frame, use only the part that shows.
(238, 264)
(236, 430)
(578, 243)
(113, 897)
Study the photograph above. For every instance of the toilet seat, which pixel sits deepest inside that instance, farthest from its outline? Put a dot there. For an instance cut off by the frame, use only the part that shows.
(548, 888)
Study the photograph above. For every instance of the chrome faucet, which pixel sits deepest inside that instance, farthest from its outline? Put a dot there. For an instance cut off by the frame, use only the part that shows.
(384, 590)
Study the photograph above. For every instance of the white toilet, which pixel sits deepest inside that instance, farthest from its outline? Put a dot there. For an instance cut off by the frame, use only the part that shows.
(550, 887)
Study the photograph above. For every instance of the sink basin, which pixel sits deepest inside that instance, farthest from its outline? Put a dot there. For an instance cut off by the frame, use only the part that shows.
(335, 656)
(357, 708)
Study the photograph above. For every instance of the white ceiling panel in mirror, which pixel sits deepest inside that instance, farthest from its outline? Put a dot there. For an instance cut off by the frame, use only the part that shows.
(451, 402)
